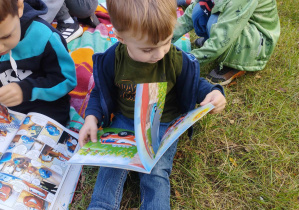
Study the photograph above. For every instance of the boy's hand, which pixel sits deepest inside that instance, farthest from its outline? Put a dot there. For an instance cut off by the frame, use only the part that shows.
(89, 130)
(217, 99)
(11, 95)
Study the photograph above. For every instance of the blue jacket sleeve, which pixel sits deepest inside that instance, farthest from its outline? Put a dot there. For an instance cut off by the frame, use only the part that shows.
(102, 102)
(94, 105)
(204, 88)
(57, 74)
(193, 88)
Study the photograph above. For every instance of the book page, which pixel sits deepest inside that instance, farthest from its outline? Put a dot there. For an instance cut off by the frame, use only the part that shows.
(149, 105)
(68, 188)
(179, 126)
(33, 167)
(10, 122)
(116, 148)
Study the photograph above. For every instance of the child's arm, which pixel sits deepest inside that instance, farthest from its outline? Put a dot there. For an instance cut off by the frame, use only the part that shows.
(209, 93)
(217, 99)
(89, 130)
(58, 74)
(184, 24)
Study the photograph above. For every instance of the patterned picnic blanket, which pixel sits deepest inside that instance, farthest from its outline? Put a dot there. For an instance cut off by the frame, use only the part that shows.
(81, 50)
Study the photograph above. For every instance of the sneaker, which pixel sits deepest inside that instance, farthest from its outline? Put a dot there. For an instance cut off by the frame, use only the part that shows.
(70, 31)
(92, 21)
(225, 76)
(199, 42)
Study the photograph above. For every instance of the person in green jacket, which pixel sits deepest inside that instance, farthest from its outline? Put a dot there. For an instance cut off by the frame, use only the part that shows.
(240, 35)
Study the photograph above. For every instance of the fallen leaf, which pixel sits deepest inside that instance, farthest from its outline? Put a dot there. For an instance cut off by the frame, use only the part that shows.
(178, 155)
(258, 76)
(283, 90)
(248, 148)
(237, 101)
(231, 144)
(177, 194)
(232, 83)
(278, 172)
(233, 162)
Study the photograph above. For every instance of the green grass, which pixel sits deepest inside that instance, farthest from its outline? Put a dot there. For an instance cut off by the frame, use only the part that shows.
(248, 156)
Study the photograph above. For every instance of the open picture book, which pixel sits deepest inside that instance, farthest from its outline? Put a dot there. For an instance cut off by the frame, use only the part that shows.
(138, 150)
(33, 153)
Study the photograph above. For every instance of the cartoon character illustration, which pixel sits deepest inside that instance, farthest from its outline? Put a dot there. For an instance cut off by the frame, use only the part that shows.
(52, 130)
(7, 177)
(26, 120)
(4, 115)
(153, 112)
(27, 140)
(34, 202)
(48, 154)
(35, 191)
(71, 145)
(5, 191)
(6, 157)
(3, 132)
(122, 139)
(34, 129)
(45, 173)
(21, 163)
(200, 114)
(31, 169)
(174, 123)
(11, 145)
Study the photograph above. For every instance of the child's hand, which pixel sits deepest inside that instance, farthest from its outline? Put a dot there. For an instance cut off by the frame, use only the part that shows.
(89, 130)
(217, 99)
(11, 95)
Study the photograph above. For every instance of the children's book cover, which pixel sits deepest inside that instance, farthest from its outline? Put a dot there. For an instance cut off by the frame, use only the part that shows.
(138, 150)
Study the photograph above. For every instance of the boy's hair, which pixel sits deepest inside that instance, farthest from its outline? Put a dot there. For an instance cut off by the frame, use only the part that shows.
(155, 18)
(8, 7)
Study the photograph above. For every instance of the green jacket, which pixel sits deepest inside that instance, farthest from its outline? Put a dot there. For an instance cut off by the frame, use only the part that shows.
(244, 36)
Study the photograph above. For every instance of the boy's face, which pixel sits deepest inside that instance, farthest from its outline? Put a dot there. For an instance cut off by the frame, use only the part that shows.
(142, 50)
(10, 33)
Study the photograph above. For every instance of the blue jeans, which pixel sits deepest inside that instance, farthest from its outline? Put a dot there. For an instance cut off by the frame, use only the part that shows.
(154, 187)
(202, 23)
(63, 9)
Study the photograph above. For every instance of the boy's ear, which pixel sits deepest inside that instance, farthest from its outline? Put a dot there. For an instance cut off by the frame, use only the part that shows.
(118, 36)
(20, 8)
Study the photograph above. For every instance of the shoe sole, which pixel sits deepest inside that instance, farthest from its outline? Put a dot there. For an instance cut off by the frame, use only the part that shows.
(75, 35)
(226, 82)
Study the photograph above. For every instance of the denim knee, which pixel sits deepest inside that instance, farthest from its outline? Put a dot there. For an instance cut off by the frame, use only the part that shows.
(200, 20)
(108, 189)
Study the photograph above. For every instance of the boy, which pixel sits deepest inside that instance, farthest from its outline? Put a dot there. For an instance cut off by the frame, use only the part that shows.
(240, 34)
(36, 71)
(144, 54)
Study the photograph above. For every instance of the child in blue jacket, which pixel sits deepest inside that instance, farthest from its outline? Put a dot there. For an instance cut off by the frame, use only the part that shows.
(36, 70)
(143, 55)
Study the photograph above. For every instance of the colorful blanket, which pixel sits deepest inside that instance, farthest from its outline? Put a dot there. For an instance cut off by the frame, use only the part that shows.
(81, 50)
